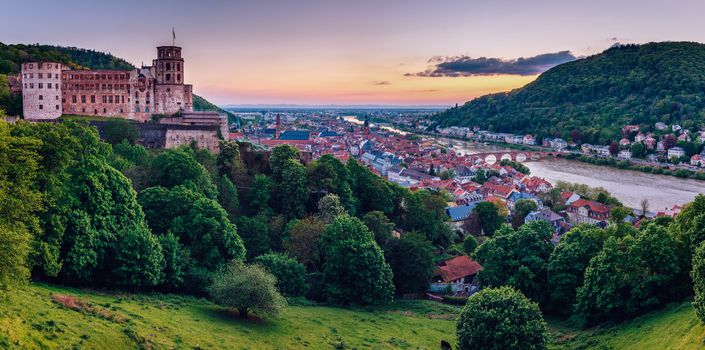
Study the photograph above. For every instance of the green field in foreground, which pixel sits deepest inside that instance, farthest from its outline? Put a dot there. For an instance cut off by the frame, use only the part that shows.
(674, 327)
(40, 317)
(32, 320)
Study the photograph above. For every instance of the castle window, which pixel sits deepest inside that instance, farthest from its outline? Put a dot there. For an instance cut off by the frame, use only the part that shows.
(56, 76)
(73, 98)
(25, 85)
(168, 66)
(105, 99)
(41, 97)
(31, 75)
(40, 75)
(48, 85)
(83, 98)
(31, 85)
(83, 110)
(147, 94)
(137, 109)
(40, 85)
(95, 111)
(117, 98)
(168, 77)
(92, 98)
(41, 106)
(57, 107)
(31, 66)
(105, 110)
(56, 97)
(110, 99)
(56, 86)
(178, 66)
(178, 77)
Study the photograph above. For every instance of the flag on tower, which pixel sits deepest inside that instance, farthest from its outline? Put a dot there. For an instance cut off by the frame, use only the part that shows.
(173, 34)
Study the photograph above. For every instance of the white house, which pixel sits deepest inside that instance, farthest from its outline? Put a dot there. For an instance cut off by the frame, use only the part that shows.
(625, 154)
(677, 152)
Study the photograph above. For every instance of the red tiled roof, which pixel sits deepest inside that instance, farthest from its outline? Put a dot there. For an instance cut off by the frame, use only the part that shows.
(594, 206)
(458, 267)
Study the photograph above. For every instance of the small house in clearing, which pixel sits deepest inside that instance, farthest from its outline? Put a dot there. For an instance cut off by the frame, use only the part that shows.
(455, 275)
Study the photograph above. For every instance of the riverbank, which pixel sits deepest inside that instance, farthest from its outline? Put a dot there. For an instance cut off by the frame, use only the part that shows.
(625, 164)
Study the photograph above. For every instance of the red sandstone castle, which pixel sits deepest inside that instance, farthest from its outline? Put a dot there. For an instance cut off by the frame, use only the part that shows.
(50, 89)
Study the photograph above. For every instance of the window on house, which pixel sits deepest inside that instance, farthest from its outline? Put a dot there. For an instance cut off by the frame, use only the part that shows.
(56, 97)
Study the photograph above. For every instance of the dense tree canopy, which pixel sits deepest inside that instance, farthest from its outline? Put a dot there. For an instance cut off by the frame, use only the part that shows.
(597, 95)
(630, 275)
(290, 274)
(354, 269)
(517, 259)
(411, 260)
(501, 318)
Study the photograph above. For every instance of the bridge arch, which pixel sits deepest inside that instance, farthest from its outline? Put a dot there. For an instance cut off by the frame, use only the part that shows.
(521, 157)
(491, 159)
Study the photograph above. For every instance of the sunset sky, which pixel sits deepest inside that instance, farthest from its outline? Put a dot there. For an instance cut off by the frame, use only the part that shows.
(353, 52)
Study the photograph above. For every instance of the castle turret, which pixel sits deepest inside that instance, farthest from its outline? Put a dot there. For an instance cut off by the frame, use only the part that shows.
(171, 94)
(169, 65)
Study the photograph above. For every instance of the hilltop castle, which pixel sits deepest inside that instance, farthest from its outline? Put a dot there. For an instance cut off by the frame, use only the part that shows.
(50, 89)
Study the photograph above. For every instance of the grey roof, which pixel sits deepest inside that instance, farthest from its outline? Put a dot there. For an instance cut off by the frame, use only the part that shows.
(295, 135)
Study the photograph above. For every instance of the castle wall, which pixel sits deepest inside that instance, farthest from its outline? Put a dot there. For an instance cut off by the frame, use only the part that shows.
(205, 137)
(41, 90)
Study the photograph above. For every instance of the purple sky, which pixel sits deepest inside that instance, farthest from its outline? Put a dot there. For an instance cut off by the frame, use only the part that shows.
(362, 51)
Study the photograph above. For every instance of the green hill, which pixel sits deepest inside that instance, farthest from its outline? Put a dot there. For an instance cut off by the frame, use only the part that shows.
(41, 317)
(597, 95)
(12, 56)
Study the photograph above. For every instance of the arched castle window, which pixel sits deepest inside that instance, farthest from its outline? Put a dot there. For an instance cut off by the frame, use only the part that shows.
(168, 77)
(168, 66)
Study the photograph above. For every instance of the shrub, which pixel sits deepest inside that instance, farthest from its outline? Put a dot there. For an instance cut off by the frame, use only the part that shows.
(245, 288)
(501, 318)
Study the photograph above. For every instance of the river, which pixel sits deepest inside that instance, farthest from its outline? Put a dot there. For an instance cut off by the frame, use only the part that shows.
(629, 186)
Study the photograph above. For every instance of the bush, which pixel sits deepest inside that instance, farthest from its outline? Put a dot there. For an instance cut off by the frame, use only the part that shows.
(453, 300)
(501, 318)
(246, 287)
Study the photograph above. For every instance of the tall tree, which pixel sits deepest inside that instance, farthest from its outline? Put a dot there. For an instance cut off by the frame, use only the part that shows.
(354, 269)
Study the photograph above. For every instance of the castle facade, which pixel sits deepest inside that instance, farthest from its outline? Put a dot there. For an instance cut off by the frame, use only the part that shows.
(50, 89)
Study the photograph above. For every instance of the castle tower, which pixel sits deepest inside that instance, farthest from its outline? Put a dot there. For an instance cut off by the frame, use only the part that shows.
(171, 94)
(169, 65)
(41, 90)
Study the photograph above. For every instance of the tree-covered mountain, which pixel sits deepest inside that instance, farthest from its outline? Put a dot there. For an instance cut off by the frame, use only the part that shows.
(597, 95)
(13, 55)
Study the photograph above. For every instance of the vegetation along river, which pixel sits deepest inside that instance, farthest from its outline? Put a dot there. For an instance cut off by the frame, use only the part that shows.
(629, 186)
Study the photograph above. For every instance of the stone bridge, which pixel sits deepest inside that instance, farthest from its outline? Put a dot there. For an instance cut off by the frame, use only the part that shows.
(517, 156)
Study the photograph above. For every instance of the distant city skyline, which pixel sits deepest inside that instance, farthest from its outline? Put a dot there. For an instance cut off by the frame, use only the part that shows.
(354, 52)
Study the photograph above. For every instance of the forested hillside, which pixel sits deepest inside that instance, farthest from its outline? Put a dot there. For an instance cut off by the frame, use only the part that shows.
(12, 56)
(597, 95)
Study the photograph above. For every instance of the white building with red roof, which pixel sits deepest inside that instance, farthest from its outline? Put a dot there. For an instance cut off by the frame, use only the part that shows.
(586, 211)
(457, 273)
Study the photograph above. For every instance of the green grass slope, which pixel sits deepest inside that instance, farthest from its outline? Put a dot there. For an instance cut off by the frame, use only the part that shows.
(675, 327)
(31, 319)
